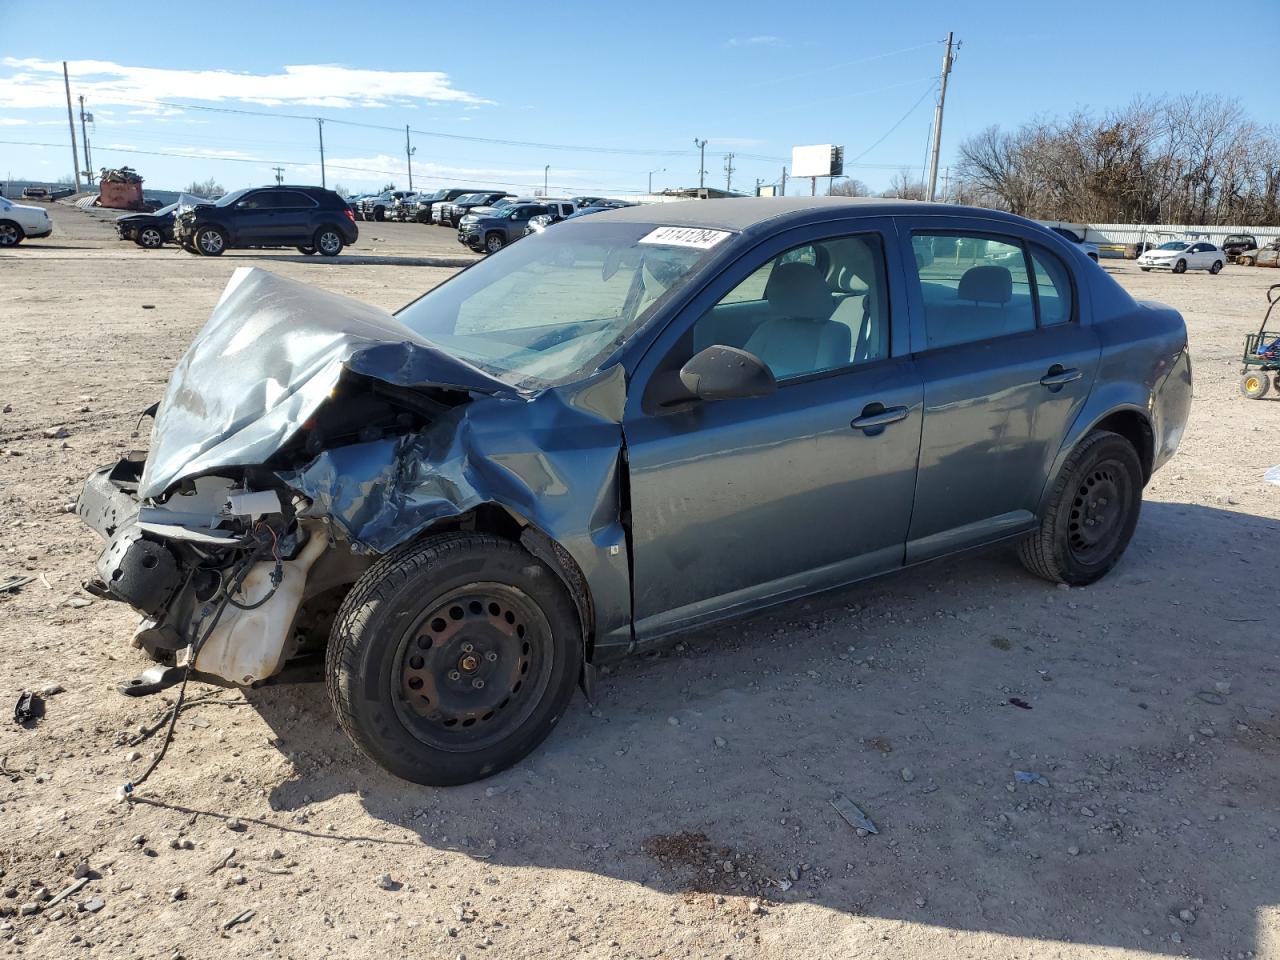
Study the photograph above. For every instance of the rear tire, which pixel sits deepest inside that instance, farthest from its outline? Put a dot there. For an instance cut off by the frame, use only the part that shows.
(210, 242)
(10, 234)
(307, 251)
(1092, 511)
(328, 242)
(379, 213)
(1145, 269)
(1255, 384)
(453, 657)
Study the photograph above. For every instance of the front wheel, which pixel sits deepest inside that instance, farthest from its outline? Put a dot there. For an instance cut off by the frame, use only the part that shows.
(1255, 384)
(1092, 512)
(150, 238)
(1216, 268)
(1145, 269)
(1180, 267)
(1244, 261)
(210, 241)
(453, 657)
(307, 251)
(379, 214)
(494, 242)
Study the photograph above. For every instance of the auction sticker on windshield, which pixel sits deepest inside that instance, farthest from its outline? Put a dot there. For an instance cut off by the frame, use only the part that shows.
(684, 237)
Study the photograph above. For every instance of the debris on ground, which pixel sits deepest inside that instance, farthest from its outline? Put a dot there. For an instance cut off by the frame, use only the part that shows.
(14, 583)
(28, 709)
(1030, 776)
(853, 814)
(244, 916)
(1019, 702)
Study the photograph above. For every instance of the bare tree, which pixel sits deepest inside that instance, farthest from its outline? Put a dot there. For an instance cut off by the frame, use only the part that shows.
(209, 189)
(849, 187)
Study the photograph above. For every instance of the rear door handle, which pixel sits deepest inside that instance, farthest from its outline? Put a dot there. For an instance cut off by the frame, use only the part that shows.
(877, 415)
(1058, 375)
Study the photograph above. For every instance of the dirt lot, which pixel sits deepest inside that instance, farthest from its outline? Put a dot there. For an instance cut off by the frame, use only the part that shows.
(687, 815)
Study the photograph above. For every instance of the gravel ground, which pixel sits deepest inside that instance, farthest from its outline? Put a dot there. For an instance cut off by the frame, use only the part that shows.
(689, 814)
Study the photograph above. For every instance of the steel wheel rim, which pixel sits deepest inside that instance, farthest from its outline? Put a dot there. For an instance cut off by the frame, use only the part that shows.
(1098, 512)
(211, 241)
(8, 235)
(329, 243)
(472, 667)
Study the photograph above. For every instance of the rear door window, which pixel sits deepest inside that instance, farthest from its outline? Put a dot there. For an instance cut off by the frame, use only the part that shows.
(292, 200)
(1053, 288)
(974, 287)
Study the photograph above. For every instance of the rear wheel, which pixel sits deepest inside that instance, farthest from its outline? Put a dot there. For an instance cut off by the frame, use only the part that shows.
(452, 658)
(379, 213)
(1255, 384)
(10, 234)
(210, 241)
(1180, 267)
(1145, 269)
(328, 242)
(1092, 512)
(307, 251)
(1217, 267)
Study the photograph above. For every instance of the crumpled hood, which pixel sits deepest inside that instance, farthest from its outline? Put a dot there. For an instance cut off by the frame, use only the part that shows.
(268, 357)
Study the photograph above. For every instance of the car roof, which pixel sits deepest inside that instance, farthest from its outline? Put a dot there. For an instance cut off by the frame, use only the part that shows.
(741, 213)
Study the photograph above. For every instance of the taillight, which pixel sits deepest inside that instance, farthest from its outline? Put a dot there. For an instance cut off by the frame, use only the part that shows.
(350, 216)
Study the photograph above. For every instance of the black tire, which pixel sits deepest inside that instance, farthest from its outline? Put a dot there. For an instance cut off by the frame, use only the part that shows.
(307, 251)
(1080, 539)
(210, 242)
(328, 242)
(423, 619)
(1244, 261)
(1145, 269)
(379, 213)
(493, 242)
(150, 238)
(1180, 267)
(1255, 384)
(1216, 268)
(10, 234)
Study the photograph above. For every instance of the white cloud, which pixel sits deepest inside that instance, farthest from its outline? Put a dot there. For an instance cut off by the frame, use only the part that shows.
(762, 40)
(38, 83)
(12, 122)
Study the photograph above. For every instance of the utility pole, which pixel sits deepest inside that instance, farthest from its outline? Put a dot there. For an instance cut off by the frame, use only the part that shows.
(320, 127)
(937, 121)
(651, 173)
(408, 155)
(279, 175)
(946, 183)
(75, 154)
(728, 173)
(702, 157)
(84, 135)
(783, 191)
(546, 171)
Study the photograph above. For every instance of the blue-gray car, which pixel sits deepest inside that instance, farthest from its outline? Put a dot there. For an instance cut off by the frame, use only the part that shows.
(641, 422)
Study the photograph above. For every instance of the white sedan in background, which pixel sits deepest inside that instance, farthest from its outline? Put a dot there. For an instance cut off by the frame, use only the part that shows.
(19, 221)
(1179, 256)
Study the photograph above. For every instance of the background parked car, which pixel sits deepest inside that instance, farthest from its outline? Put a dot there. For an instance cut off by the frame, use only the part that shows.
(376, 207)
(1267, 255)
(150, 230)
(20, 221)
(355, 204)
(313, 219)
(557, 213)
(1238, 243)
(492, 231)
(464, 205)
(1087, 247)
(1179, 256)
(427, 203)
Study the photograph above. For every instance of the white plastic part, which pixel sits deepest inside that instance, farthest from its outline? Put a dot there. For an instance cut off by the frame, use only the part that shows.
(249, 645)
(253, 505)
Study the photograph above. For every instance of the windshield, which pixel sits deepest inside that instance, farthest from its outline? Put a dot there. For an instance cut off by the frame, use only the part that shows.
(1173, 245)
(438, 195)
(550, 309)
(231, 197)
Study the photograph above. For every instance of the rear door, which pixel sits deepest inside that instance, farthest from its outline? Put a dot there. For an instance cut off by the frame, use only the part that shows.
(294, 222)
(1007, 364)
(736, 504)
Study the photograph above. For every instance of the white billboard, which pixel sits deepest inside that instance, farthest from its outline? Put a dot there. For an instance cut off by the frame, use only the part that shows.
(813, 161)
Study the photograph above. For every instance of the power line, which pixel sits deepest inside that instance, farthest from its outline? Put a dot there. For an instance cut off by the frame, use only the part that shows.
(901, 119)
(841, 65)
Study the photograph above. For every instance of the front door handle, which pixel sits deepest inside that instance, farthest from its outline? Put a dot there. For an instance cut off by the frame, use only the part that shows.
(877, 415)
(1058, 375)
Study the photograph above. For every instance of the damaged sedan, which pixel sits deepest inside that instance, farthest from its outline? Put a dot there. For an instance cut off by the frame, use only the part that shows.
(641, 422)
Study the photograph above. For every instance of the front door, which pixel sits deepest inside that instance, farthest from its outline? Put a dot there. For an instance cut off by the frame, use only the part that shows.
(736, 504)
(1006, 364)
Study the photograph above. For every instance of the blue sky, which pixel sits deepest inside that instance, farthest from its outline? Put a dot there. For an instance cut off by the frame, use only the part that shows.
(636, 83)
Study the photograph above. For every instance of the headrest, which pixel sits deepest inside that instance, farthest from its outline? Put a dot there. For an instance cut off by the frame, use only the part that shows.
(798, 290)
(986, 284)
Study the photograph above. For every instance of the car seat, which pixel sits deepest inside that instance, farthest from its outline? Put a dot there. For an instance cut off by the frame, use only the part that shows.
(800, 337)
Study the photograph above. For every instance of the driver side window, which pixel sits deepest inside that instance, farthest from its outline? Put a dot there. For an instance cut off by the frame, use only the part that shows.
(816, 307)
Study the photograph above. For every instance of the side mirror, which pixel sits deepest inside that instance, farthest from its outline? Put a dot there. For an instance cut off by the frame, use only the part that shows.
(726, 373)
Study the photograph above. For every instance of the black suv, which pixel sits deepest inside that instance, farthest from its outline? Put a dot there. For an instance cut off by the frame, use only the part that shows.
(312, 219)
(454, 212)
